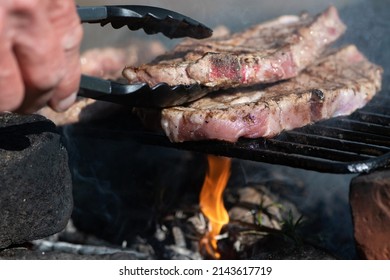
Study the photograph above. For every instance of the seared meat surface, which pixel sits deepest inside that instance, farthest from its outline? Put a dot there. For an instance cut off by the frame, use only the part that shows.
(338, 84)
(275, 50)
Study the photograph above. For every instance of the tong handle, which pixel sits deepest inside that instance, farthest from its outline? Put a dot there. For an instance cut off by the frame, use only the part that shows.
(139, 94)
(152, 19)
(93, 87)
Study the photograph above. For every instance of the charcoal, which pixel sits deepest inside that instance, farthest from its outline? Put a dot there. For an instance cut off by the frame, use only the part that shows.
(35, 182)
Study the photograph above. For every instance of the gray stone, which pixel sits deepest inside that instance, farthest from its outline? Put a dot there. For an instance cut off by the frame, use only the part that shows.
(35, 182)
(370, 203)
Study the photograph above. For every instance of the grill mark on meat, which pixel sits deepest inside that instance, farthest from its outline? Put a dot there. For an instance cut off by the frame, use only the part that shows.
(225, 69)
(338, 85)
(265, 53)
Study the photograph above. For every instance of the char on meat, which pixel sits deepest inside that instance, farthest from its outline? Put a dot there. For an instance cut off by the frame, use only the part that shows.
(338, 84)
(275, 50)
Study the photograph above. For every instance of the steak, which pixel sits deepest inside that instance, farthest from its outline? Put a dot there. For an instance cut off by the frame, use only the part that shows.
(275, 50)
(340, 82)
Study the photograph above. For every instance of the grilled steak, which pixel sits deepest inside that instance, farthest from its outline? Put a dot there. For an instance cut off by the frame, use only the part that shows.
(268, 52)
(340, 83)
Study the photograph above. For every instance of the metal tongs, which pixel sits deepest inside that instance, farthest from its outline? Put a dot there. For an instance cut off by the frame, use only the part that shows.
(152, 20)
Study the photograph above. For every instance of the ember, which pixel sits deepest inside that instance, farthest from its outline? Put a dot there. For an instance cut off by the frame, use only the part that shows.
(211, 202)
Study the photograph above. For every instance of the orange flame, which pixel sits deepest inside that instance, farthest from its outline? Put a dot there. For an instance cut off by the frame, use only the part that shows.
(211, 201)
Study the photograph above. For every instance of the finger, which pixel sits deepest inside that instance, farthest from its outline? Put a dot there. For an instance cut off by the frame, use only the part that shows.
(70, 31)
(38, 51)
(65, 93)
(66, 90)
(33, 101)
(11, 84)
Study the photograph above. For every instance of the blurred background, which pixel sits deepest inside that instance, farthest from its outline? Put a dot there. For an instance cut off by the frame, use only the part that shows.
(236, 15)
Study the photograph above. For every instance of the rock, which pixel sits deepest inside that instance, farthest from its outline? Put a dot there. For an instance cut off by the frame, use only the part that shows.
(255, 204)
(35, 182)
(370, 203)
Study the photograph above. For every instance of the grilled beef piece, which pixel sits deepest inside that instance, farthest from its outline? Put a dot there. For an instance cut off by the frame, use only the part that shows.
(340, 83)
(268, 52)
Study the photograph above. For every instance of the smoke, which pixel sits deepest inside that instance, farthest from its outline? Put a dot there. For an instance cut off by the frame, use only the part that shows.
(97, 207)
(368, 27)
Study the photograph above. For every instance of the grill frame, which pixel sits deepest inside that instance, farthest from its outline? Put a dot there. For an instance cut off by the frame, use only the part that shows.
(359, 143)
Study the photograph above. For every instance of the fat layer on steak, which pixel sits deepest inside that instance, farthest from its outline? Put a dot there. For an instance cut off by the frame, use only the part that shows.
(275, 50)
(340, 83)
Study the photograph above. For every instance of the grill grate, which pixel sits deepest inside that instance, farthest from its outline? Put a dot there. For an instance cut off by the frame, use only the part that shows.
(358, 143)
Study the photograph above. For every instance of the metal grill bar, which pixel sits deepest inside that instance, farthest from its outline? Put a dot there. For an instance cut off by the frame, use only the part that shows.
(344, 145)
(257, 150)
(346, 134)
(313, 151)
(378, 109)
(364, 127)
(372, 117)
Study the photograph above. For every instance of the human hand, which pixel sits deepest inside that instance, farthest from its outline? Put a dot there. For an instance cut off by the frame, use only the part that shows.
(39, 54)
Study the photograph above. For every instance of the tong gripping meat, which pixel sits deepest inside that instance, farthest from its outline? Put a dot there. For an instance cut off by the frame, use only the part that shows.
(152, 20)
